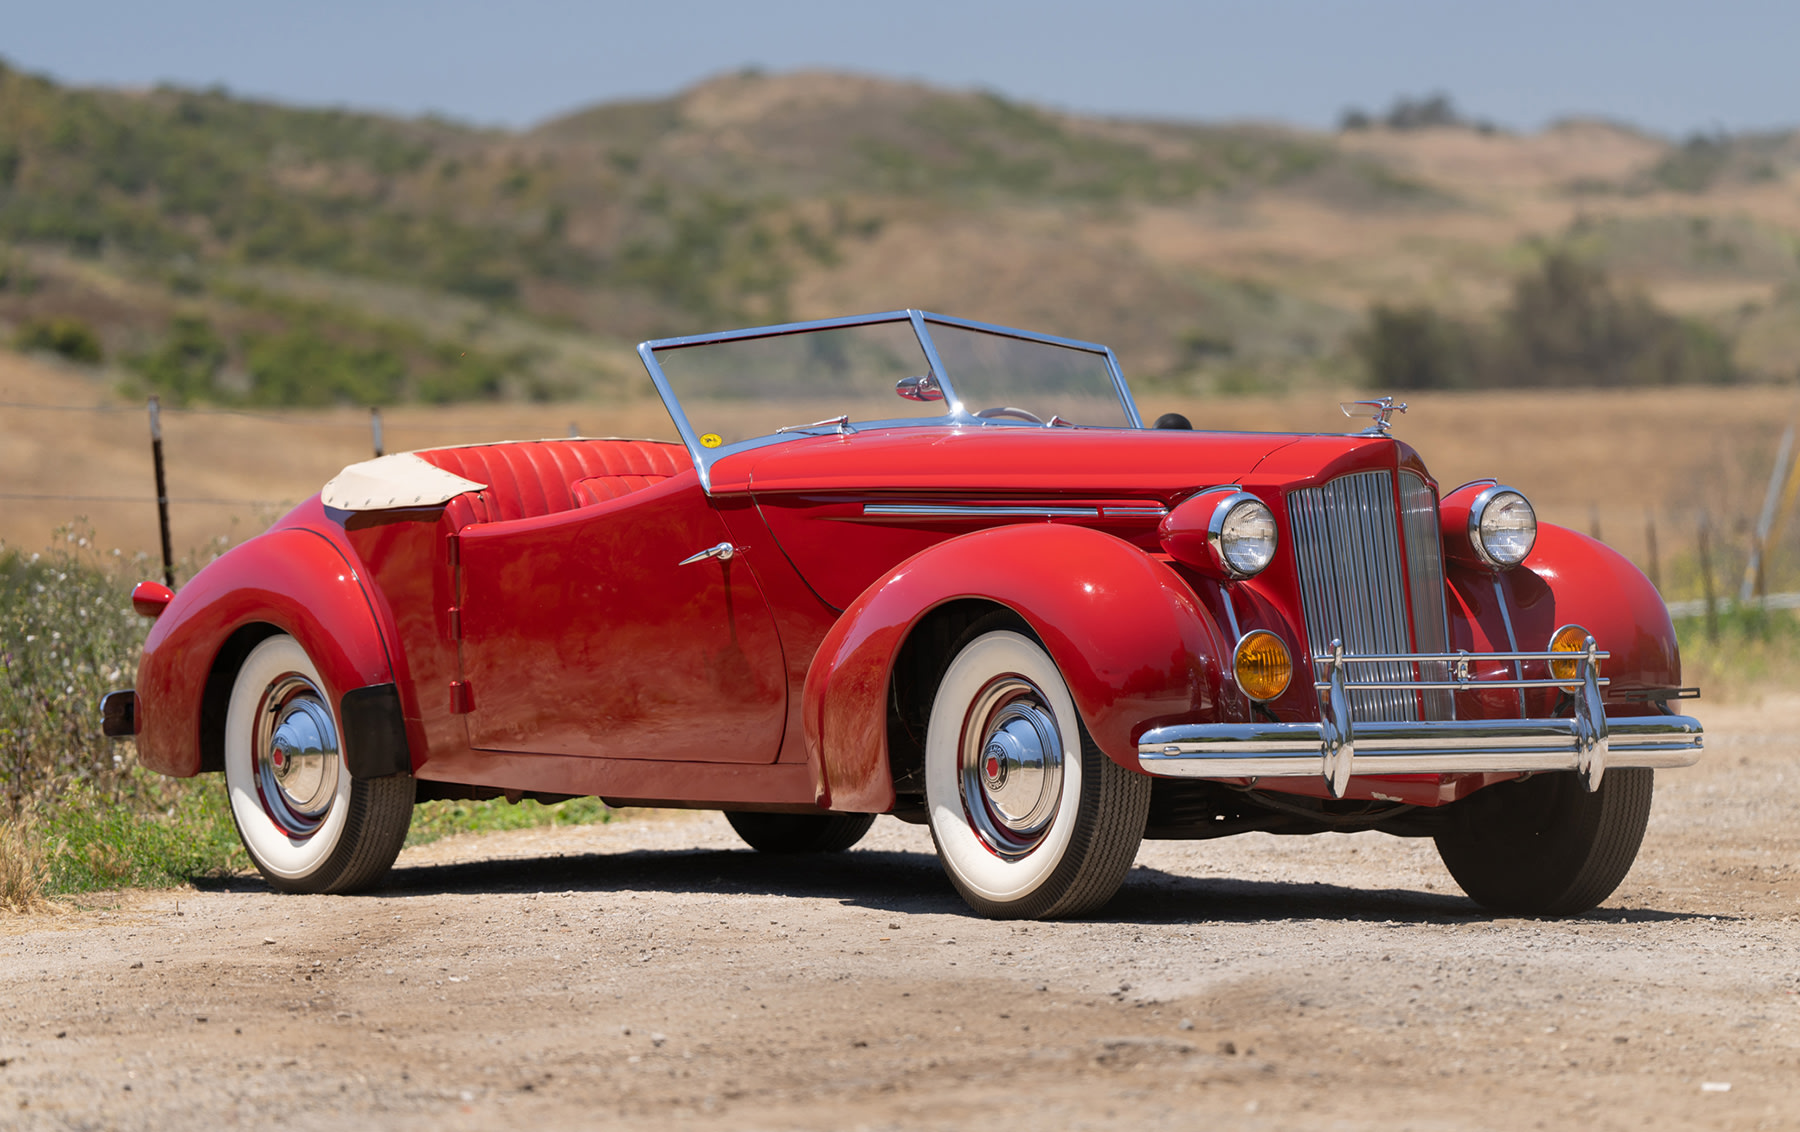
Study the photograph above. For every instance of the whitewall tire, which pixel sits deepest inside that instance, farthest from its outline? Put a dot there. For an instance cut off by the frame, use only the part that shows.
(306, 823)
(1030, 818)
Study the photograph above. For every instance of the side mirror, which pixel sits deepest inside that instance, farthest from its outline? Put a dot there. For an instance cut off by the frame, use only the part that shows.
(922, 388)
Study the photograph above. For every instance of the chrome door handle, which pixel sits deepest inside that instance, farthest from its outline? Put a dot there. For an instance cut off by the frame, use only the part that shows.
(724, 552)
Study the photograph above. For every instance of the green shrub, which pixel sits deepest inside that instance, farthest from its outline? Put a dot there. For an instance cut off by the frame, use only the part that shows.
(1413, 348)
(1566, 325)
(172, 832)
(1755, 650)
(316, 354)
(434, 820)
(183, 367)
(68, 635)
(70, 337)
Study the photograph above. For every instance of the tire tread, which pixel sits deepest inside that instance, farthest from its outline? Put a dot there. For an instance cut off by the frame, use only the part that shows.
(375, 832)
(1545, 846)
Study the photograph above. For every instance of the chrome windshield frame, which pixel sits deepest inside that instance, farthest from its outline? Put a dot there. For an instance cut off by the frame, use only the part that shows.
(957, 414)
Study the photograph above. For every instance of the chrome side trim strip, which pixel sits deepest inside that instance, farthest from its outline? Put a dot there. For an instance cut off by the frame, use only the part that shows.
(1151, 511)
(961, 510)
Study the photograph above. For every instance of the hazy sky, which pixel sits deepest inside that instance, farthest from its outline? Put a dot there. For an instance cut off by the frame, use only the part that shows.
(1671, 65)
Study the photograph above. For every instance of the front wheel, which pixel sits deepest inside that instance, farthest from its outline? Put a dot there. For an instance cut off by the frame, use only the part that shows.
(307, 824)
(1545, 846)
(1030, 818)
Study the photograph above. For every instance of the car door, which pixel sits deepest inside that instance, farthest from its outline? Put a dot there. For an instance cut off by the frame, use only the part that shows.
(584, 635)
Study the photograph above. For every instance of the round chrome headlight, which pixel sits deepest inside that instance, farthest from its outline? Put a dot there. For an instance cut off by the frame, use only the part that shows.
(1242, 533)
(1502, 526)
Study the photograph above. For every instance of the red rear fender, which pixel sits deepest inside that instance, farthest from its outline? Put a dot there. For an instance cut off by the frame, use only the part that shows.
(1129, 637)
(292, 581)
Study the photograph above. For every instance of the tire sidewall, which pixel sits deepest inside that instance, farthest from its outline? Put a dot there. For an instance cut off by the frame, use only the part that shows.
(278, 855)
(982, 875)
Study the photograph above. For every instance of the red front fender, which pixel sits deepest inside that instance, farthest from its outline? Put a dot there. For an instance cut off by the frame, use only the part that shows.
(1129, 637)
(293, 579)
(1578, 580)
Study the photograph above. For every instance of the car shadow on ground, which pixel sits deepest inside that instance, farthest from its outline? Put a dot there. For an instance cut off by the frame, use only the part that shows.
(909, 882)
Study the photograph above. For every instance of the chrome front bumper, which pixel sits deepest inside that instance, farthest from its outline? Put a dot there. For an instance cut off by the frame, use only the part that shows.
(1336, 748)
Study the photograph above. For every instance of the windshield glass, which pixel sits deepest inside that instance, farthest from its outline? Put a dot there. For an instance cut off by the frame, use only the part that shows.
(1001, 377)
(743, 388)
(903, 367)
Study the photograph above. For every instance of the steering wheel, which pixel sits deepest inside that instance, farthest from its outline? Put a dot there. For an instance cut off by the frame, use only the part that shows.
(1009, 411)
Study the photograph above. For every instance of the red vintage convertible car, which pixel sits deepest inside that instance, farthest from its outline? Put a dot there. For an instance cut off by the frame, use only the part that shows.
(978, 594)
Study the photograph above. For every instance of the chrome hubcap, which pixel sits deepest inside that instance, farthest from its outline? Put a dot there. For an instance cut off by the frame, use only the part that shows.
(297, 757)
(1012, 766)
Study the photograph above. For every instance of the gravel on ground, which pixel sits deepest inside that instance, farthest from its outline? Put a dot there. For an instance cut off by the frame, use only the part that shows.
(652, 972)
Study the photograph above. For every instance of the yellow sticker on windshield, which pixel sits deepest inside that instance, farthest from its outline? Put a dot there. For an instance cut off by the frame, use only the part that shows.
(712, 440)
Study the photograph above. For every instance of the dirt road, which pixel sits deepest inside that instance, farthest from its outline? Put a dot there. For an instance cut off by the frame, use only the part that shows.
(651, 973)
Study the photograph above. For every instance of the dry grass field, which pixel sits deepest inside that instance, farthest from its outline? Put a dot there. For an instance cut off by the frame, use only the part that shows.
(1582, 456)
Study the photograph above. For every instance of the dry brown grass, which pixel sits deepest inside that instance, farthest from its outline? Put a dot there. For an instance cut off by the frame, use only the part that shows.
(22, 867)
(1582, 455)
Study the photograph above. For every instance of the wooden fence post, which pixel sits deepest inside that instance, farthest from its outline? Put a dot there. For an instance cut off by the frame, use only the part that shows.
(1706, 578)
(162, 490)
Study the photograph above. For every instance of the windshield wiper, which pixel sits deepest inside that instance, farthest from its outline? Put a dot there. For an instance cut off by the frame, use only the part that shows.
(841, 423)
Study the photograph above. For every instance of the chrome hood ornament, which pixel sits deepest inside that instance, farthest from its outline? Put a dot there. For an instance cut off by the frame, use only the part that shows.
(1384, 407)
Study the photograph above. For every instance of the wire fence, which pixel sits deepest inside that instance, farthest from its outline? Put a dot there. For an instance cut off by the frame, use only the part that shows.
(281, 455)
(1729, 560)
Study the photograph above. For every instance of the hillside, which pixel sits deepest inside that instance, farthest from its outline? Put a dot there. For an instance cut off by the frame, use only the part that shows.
(229, 250)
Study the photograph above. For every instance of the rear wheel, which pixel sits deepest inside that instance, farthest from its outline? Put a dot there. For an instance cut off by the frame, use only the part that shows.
(307, 824)
(1545, 846)
(800, 833)
(1030, 818)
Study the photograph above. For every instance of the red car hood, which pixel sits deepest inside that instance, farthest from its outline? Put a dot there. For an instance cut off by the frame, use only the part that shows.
(1135, 463)
(812, 493)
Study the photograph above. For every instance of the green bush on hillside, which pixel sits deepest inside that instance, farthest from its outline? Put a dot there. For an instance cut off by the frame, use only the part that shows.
(313, 354)
(70, 337)
(182, 368)
(1414, 347)
(1566, 325)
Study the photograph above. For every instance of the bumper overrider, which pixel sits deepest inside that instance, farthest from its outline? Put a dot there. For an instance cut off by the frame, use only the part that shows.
(1336, 747)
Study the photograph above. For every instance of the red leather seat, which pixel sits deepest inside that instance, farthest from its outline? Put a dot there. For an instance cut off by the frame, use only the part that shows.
(541, 477)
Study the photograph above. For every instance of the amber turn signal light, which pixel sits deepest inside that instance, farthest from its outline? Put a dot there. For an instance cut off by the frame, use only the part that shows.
(1569, 638)
(1263, 665)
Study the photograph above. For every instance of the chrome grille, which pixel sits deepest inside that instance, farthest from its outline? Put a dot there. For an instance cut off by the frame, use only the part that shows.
(1425, 570)
(1347, 546)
